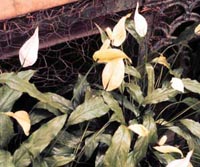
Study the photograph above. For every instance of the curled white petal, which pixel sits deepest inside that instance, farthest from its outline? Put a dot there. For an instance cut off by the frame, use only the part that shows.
(177, 84)
(140, 23)
(162, 140)
(28, 53)
(184, 162)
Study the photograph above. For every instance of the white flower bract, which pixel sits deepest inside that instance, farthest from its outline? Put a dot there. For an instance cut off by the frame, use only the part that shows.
(140, 23)
(177, 84)
(28, 53)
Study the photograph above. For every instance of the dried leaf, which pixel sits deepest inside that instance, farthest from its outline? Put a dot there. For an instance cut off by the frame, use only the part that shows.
(177, 84)
(168, 149)
(139, 129)
(107, 55)
(23, 119)
(113, 74)
(162, 140)
(140, 23)
(184, 162)
(119, 31)
(161, 60)
(28, 53)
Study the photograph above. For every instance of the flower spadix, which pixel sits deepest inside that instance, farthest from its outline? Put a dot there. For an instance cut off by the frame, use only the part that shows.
(140, 23)
(28, 53)
(113, 73)
(118, 35)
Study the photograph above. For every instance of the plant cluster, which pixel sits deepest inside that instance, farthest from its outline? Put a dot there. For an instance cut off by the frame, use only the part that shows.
(137, 118)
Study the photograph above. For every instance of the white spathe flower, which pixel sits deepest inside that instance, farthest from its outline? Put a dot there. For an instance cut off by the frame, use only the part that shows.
(140, 23)
(197, 30)
(28, 53)
(184, 162)
(177, 84)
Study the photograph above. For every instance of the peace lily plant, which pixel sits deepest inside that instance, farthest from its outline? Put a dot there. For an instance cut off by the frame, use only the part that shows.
(139, 117)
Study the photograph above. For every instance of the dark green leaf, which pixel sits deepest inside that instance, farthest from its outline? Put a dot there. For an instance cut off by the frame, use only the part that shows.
(190, 140)
(90, 109)
(164, 158)
(187, 34)
(114, 106)
(38, 115)
(130, 70)
(193, 126)
(6, 130)
(142, 143)
(67, 139)
(38, 141)
(79, 90)
(135, 92)
(9, 96)
(21, 85)
(117, 153)
(92, 142)
(191, 85)
(39, 162)
(151, 78)
(160, 95)
(192, 102)
(123, 101)
(6, 160)
(56, 161)
(131, 29)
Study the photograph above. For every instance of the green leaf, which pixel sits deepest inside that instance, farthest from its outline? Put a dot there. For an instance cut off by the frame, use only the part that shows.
(142, 143)
(38, 141)
(79, 90)
(104, 37)
(151, 78)
(160, 95)
(191, 85)
(130, 70)
(191, 143)
(187, 34)
(93, 141)
(123, 101)
(164, 158)
(150, 124)
(55, 161)
(38, 115)
(99, 160)
(192, 126)
(39, 162)
(117, 153)
(192, 102)
(9, 96)
(135, 92)
(93, 108)
(6, 160)
(6, 130)
(21, 85)
(130, 27)
(114, 106)
(69, 140)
